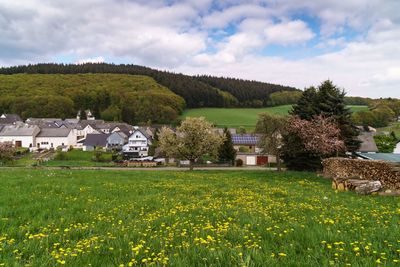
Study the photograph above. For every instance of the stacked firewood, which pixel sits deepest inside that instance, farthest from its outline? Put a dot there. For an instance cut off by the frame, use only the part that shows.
(345, 173)
(360, 186)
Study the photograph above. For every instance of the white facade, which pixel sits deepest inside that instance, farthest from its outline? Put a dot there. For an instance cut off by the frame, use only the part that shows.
(19, 141)
(137, 144)
(397, 149)
(47, 142)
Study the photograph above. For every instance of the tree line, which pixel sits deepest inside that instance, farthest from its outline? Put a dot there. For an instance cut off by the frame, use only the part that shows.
(112, 97)
(197, 91)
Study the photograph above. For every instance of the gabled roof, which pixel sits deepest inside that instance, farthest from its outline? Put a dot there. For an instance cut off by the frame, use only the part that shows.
(9, 118)
(19, 130)
(142, 132)
(54, 132)
(245, 139)
(96, 140)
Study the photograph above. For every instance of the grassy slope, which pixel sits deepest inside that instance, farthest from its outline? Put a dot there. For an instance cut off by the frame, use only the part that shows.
(246, 117)
(190, 219)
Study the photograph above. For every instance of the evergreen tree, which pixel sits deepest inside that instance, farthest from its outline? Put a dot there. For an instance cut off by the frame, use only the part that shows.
(326, 100)
(227, 152)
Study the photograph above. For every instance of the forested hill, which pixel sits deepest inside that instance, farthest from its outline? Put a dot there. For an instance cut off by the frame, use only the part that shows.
(198, 91)
(112, 97)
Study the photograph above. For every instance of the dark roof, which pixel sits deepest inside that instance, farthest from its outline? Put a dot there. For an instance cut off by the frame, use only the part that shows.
(54, 132)
(245, 139)
(96, 140)
(19, 130)
(367, 142)
(9, 118)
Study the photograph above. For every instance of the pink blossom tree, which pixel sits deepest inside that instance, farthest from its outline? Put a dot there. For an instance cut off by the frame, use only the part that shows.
(320, 135)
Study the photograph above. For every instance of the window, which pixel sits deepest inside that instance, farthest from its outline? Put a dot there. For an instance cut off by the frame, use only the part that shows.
(44, 143)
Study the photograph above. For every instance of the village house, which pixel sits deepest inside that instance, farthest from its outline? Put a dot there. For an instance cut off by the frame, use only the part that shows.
(52, 138)
(116, 140)
(9, 119)
(94, 141)
(248, 150)
(20, 135)
(138, 145)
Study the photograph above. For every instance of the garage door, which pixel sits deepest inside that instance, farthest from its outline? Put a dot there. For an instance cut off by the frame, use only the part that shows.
(251, 160)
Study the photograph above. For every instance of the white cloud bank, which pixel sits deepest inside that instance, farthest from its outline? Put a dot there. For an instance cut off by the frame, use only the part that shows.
(226, 38)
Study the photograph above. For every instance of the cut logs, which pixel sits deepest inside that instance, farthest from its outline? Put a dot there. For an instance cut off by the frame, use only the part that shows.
(360, 186)
(371, 170)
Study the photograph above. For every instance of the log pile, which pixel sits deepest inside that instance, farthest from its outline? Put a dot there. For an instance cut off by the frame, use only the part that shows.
(341, 169)
(363, 187)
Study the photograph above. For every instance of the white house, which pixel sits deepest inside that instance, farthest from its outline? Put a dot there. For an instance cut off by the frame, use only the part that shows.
(138, 144)
(21, 135)
(55, 137)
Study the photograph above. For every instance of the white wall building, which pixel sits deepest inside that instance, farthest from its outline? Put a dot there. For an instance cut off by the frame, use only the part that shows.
(138, 144)
(55, 137)
(21, 135)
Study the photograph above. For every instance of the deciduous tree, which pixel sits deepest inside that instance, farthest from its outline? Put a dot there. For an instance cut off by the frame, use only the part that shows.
(193, 139)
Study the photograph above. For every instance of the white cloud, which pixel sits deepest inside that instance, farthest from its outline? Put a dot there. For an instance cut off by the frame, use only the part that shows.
(91, 60)
(192, 36)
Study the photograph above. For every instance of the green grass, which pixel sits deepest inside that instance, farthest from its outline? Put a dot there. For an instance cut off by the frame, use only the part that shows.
(259, 218)
(79, 158)
(246, 117)
(393, 127)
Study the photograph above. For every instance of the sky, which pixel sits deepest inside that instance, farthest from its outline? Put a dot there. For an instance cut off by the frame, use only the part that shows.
(354, 43)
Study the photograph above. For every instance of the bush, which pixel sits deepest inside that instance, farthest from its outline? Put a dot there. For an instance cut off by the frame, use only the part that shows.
(98, 156)
(116, 157)
(61, 156)
(21, 151)
(239, 163)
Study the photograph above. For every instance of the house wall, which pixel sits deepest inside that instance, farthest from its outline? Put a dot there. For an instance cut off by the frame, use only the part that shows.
(137, 142)
(54, 142)
(26, 141)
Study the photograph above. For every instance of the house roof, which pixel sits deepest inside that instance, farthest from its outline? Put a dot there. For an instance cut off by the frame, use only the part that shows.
(367, 142)
(9, 118)
(19, 130)
(389, 157)
(96, 140)
(245, 139)
(54, 132)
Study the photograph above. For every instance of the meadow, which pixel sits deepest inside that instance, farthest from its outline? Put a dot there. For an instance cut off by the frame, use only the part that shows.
(201, 218)
(242, 117)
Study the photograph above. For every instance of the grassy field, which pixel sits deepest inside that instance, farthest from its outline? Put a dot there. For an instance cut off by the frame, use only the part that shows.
(80, 158)
(393, 127)
(126, 218)
(237, 117)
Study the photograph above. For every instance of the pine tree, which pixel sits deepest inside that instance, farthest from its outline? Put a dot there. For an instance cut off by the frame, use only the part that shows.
(326, 100)
(227, 152)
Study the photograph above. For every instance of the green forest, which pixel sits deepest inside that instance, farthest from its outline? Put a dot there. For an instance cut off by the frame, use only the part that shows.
(113, 97)
(197, 91)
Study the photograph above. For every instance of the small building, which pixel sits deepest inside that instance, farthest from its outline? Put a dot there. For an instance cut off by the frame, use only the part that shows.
(138, 145)
(246, 143)
(117, 140)
(20, 135)
(51, 138)
(94, 141)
